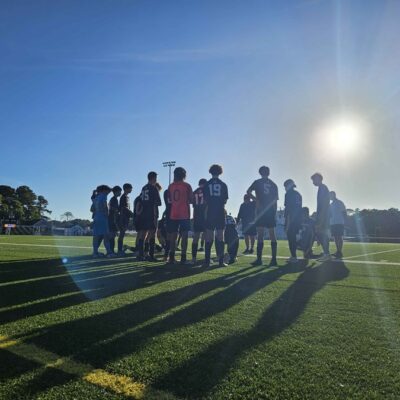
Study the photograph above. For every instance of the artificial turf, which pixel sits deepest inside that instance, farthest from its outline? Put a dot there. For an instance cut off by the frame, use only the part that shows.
(73, 327)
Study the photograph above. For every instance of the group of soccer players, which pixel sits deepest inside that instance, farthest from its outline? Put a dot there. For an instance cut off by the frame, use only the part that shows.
(257, 214)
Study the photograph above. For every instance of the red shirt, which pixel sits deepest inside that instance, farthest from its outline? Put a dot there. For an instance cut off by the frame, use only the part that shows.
(180, 196)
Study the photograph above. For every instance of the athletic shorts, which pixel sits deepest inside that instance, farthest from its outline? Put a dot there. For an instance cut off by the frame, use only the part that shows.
(199, 224)
(337, 230)
(215, 219)
(178, 225)
(249, 229)
(146, 223)
(266, 219)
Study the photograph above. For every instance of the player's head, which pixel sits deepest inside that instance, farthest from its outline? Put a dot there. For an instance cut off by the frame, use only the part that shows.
(332, 195)
(127, 187)
(103, 189)
(158, 186)
(305, 212)
(202, 182)
(152, 177)
(117, 190)
(246, 198)
(289, 184)
(264, 171)
(317, 179)
(215, 170)
(94, 194)
(179, 174)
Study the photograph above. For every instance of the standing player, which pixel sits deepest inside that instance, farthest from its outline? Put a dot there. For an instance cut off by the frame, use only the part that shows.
(216, 196)
(167, 213)
(293, 216)
(322, 217)
(180, 195)
(113, 216)
(199, 216)
(150, 201)
(247, 214)
(266, 197)
(125, 214)
(338, 217)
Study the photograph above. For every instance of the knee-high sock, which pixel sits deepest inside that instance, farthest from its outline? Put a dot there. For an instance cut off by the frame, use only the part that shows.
(112, 244)
(146, 246)
(260, 246)
(167, 247)
(220, 247)
(194, 249)
(141, 247)
(207, 251)
(274, 249)
(152, 245)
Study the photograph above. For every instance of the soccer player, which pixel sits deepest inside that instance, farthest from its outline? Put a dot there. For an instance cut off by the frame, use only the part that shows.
(100, 221)
(199, 217)
(307, 234)
(338, 217)
(266, 197)
(150, 201)
(167, 213)
(231, 239)
(293, 216)
(322, 215)
(180, 195)
(125, 214)
(216, 196)
(247, 214)
(113, 216)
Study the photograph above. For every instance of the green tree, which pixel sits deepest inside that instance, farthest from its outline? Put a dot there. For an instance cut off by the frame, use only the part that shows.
(67, 216)
(42, 204)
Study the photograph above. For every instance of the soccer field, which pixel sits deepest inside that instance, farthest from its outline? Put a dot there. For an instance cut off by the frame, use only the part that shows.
(73, 327)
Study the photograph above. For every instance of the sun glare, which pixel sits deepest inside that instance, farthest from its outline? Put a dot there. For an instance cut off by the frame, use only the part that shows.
(341, 138)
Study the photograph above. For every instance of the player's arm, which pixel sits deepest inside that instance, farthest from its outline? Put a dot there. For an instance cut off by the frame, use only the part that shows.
(250, 191)
(190, 195)
(226, 196)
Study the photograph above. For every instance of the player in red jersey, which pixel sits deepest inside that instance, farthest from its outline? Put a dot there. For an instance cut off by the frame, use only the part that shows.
(180, 197)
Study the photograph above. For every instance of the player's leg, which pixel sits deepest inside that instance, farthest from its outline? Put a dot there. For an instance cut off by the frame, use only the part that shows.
(209, 238)
(173, 234)
(184, 228)
(233, 250)
(252, 241)
(202, 241)
(140, 244)
(220, 246)
(291, 236)
(274, 247)
(260, 245)
(247, 242)
(195, 244)
(121, 237)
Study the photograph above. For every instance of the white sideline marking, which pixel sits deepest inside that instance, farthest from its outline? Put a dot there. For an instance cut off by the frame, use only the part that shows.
(245, 255)
(372, 254)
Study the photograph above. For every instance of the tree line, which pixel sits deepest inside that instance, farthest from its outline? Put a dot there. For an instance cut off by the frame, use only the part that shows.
(22, 205)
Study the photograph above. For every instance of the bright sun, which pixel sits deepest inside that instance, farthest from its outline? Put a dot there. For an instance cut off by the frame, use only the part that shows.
(341, 137)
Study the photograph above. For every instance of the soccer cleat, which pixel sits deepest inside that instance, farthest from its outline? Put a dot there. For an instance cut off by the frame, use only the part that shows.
(273, 263)
(292, 260)
(206, 264)
(222, 264)
(232, 261)
(325, 257)
(257, 262)
(151, 259)
(193, 262)
(251, 251)
(247, 251)
(98, 255)
(111, 255)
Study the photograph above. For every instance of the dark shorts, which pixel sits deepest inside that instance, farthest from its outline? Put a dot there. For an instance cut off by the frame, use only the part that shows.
(178, 225)
(113, 227)
(199, 224)
(146, 223)
(266, 219)
(337, 230)
(215, 219)
(249, 229)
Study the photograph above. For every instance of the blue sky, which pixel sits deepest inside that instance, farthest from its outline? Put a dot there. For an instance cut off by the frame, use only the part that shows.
(96, 92)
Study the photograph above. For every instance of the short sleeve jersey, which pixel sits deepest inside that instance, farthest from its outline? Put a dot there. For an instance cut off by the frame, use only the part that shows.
(337, 212)
(113, 209)
(293, 205)
(266, 192)
(124, 207)
(215, 194)
(199, 204)
(150, 199)
(180, 195)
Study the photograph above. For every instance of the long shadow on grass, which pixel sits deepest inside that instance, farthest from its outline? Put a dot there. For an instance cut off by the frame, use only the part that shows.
(198, 376)
(37, 287)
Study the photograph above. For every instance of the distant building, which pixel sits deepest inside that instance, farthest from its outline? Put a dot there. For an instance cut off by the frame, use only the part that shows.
(75, 230)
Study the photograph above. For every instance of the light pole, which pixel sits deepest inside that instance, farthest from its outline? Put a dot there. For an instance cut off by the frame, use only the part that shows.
(169, 164)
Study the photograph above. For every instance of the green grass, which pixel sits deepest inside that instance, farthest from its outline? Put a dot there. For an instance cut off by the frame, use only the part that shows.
(317, 331)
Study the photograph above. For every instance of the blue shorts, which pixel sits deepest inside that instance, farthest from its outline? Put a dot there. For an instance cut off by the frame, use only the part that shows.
(178, 225)
(100, 226)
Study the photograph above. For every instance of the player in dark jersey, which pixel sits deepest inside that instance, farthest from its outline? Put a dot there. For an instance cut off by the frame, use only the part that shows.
(216, 196)
(247, 215)
(266, 197)
(167, 213)
(125, 214)
(113, 216)
(199, 217)
(150, 201)
(293, 216)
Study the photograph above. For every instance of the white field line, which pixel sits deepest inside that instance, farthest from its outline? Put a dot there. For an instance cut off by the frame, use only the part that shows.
(372, 254)
(246, 255)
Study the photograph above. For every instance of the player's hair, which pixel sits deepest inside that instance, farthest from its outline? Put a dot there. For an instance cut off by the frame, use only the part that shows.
(317, 175)
(263, 171)
(215, 170)
(290, 183)
(332, 193)
(127, 186)
(103, 188)
(203, 181)
(151, 175)
(116, 189)
(179, 174)
(246, 197)
(158, 187)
